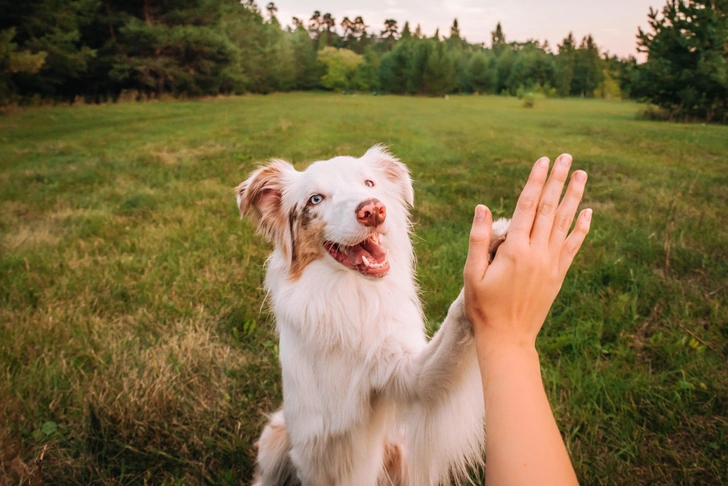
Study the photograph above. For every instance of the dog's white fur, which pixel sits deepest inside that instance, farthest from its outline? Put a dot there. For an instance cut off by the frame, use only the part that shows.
(367, 399)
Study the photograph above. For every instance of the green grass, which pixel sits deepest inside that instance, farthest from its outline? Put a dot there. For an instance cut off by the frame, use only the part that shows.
(135, 346)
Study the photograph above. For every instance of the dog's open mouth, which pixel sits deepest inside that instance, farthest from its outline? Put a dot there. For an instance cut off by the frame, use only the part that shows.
(368, 257)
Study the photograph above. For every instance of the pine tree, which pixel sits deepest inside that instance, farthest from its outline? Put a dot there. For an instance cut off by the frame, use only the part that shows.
(454, 29)
(176, 48)
(565, 62)
(498, 40)
(687, 65)
(55, 28)
(406, 34)
(328, 22)
(389, 34)
(272, 9)
(314, 25)
(13, 61)
(394, 67)
(455, 41)
(439, 75)
(588, 68)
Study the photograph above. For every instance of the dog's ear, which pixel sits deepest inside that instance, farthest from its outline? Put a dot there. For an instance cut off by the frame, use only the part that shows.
(394, 170)
(261, 198)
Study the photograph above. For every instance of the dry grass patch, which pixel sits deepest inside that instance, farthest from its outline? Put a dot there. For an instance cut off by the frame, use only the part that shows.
(35, 236)
(151, 406)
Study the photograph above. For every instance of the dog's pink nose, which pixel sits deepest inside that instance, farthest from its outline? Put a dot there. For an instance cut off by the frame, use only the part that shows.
(371, 212)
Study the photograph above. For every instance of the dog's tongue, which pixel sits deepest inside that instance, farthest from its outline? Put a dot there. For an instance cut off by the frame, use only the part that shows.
(370, 249)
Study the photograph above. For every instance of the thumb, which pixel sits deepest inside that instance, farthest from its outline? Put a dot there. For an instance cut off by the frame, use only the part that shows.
(477, 261)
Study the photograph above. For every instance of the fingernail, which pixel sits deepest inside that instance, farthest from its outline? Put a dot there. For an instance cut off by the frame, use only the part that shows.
(543, 162)
(588, 214)
(479, 213)
(564, 160)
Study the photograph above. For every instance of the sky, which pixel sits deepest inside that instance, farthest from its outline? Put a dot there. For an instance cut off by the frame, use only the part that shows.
(613, 23)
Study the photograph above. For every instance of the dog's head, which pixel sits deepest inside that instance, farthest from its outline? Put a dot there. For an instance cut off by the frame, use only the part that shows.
(344, 211)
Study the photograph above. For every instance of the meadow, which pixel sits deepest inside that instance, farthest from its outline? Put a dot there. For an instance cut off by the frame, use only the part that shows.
(136, 346)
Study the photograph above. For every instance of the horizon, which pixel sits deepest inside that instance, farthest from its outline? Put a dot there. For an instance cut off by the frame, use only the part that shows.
(613, 28)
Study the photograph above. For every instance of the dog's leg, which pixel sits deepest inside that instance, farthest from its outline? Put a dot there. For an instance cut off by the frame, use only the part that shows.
(442, 407)
(274, 463)
(442, 397)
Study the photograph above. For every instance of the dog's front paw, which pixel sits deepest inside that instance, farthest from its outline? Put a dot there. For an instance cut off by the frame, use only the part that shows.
(498, 236)
(460, 321)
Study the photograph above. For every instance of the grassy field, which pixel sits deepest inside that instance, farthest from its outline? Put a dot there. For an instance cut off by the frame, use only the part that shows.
(135, 346)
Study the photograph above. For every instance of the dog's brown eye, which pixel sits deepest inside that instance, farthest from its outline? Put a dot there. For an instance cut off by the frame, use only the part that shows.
(369, 183)
(316, 199)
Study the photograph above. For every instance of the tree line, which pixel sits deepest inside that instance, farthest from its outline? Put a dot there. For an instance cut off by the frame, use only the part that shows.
(98, 49)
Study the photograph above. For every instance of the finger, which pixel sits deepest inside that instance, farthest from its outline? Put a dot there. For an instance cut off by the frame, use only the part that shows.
(522, 221)
(477, 261)
(567, 209)
(574, 241)
(549, 202)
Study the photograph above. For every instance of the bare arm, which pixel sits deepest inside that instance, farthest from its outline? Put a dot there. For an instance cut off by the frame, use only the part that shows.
(507, 302)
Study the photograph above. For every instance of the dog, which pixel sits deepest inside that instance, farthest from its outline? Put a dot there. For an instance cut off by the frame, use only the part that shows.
(367, 400)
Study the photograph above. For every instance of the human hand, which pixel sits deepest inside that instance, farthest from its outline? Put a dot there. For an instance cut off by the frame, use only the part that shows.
(508, 300)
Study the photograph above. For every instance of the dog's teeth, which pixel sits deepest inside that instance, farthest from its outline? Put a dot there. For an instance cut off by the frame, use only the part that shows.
(366, 262)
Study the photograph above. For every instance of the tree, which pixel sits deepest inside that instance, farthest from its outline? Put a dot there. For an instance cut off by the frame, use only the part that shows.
(565, 62)
(439, 75)
(55, 28)
(389, 34)
(455, 30)
(588, 68)
(305, 60)
(406, 34)
(340, 68)
(498, 40)
(687, 65)
(177, 50)
(249, 37)
(455, 41)
(272, 9)
(314, 25)
(13, 61)
(367, 76)
(504, 65)
(393, 68)
(328, 22)
(481, 78)
(98, 48)
(347, 26)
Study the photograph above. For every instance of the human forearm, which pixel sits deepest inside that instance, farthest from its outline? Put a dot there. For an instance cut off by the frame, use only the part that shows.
(507, 301)
(524, 445)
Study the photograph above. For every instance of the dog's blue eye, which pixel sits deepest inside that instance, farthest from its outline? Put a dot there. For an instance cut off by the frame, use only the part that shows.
(316, 199)
(369, 183)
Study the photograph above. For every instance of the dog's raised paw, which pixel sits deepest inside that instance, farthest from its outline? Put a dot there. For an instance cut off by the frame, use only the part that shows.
(498, 236)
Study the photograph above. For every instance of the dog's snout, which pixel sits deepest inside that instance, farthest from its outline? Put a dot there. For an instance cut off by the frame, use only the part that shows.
(371, 212)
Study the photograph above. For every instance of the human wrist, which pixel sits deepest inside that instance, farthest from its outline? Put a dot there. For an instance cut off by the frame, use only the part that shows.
(493, 348)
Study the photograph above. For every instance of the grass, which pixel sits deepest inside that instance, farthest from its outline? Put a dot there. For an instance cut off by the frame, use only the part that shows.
(134, 344)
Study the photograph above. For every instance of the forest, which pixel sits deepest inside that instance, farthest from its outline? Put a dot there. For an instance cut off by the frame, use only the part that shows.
(99, 50)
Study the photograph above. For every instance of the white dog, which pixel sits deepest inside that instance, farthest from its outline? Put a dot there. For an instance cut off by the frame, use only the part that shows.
(367, 399)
